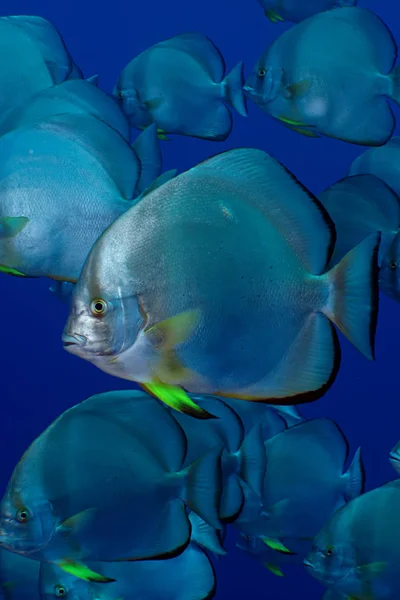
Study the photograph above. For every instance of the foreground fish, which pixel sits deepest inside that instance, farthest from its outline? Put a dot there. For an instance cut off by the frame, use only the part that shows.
(332, 74)
(78, 176)
(304, 483)
(251, 320)
(76, 96)
(359, 206)
(33, 57)
(357, 552)
(180, 84)
(106, 482)
(293, 10)
(19, 577)
(189, 575)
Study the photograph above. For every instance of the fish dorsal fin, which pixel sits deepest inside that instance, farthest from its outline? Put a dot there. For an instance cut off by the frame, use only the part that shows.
(159, 182)
(148, 151)
(289, 207)
(202, 49)
(50, 43)
(367, 196)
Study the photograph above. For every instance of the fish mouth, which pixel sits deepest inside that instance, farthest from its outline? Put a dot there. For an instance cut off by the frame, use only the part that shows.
(308, 564)
(394, 458)
(73, 342)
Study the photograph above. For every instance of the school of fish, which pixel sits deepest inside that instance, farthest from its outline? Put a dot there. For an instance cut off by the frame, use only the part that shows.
(128, 495)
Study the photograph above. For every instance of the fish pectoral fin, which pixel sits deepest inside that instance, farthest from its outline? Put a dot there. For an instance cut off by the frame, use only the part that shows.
(81, 571)
(153, 103)
(276, 545)
(76, 522)
(370, 570)
(274, 569)
(175, 330)
(273, 16)
(176, 398)
(12, 226)
(295, 90)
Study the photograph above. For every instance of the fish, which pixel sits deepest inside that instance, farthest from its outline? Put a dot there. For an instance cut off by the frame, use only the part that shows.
(46, 37)
(360, 205)
(187, 576)
(33, 57)
(357, 551)
(180, 84)
(292, 10)
(105, 482)
(19, 577)
(195, 325)
(78, 176)
(331, 75)
(304, 483)
(76, 96)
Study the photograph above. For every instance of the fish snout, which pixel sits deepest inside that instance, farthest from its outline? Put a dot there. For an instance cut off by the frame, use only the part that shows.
(73, 342)
(308, 564)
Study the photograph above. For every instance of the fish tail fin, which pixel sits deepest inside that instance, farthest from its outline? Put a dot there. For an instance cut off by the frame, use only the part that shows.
(203, 487)
(253, 459)
(354, 296)
(233, 90)
(395, 81)
(354, 478)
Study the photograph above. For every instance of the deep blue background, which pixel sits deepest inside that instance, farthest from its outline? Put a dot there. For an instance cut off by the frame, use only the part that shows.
(39, 379)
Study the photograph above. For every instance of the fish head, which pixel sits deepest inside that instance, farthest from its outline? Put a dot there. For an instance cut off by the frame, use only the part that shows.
(27, 522)
(389, 274)
(132, 105)
(54, 583)
(332, 556)
(264, 84)
(394, 457)
(251, 544)
(104, 320)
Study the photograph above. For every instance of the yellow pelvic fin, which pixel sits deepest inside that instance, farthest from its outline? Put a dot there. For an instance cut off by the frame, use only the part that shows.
(82, 571)
(307, 132)
(176, 398)
(10, 271)
(274, 569)
(276, 545)
(273, 16)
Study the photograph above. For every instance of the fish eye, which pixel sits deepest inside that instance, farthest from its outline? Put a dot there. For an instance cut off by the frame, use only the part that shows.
(120, 95)
(23, 515)
(329, 551)
(60, 591)
(393, 265)
(98, 307)
(261, 73)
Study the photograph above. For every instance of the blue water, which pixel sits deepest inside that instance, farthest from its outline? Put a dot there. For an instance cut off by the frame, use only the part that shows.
(40, 380)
